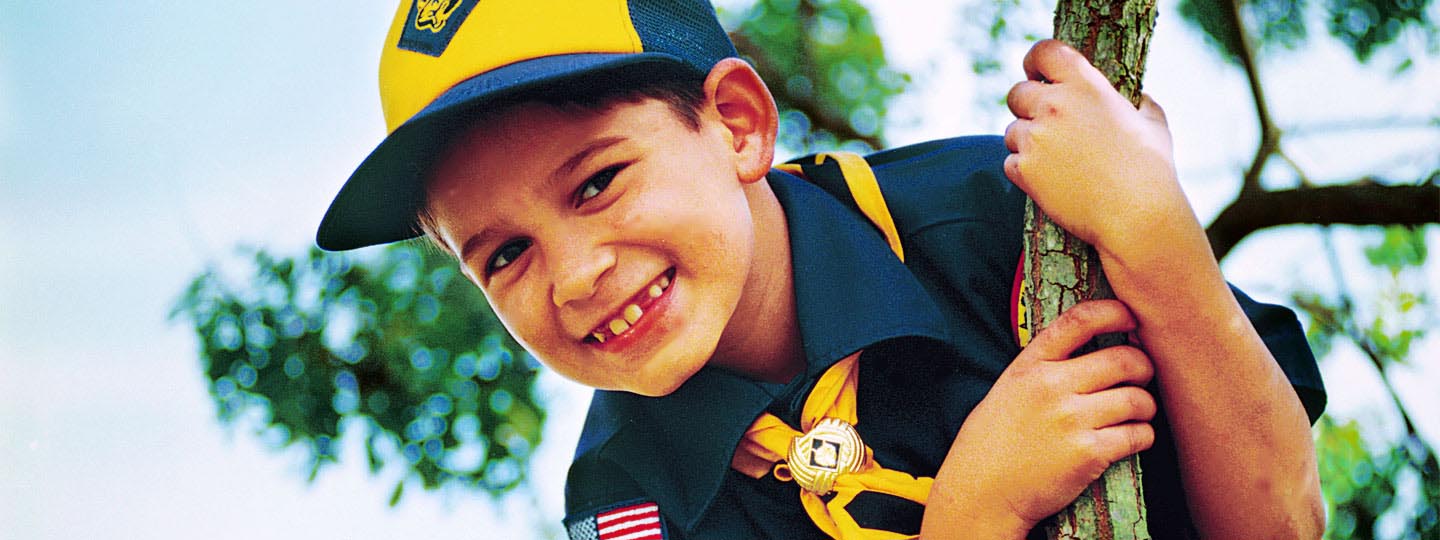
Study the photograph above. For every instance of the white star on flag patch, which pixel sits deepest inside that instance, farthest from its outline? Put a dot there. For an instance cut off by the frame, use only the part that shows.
(639, 521)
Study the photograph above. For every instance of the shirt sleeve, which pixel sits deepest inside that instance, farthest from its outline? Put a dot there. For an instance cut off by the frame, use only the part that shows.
(602, 503)
(1282, 334)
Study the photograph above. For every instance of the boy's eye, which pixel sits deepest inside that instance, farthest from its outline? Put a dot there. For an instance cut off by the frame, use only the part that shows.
(596, 184)
(506, 255)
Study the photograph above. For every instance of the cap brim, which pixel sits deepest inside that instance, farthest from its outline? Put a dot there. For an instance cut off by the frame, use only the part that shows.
(380, 201)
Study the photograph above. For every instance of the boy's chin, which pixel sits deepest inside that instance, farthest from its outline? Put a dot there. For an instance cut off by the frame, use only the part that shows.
(645, 371)
(656, 388)
(670, 379)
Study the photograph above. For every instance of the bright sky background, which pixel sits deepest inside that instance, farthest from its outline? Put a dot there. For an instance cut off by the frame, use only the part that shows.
(142, 140)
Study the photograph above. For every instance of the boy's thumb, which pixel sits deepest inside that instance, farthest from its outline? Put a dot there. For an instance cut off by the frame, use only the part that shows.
(1152, 111)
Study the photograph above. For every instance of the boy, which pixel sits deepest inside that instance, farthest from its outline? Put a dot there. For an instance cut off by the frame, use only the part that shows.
(602, 171)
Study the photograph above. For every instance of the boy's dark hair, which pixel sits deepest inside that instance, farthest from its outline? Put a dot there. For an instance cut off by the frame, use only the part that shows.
(682, 91)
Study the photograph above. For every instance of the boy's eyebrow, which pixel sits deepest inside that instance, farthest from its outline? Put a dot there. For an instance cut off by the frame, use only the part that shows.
(579, 157)
(472, 243)
(565, 169)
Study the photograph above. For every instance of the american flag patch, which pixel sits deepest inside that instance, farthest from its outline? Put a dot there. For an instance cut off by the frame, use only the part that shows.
(630, 522)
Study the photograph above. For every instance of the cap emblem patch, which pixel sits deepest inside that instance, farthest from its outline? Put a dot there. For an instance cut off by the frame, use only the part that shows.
(432, 24)
(433, 14)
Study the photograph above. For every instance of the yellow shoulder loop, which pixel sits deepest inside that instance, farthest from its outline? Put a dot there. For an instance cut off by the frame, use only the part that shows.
(866, 191)
(792, 168)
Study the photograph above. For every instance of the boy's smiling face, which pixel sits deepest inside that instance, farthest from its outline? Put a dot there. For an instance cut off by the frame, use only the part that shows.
(615, 245)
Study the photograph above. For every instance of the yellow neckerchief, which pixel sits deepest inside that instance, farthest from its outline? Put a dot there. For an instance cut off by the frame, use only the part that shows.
(837, 460)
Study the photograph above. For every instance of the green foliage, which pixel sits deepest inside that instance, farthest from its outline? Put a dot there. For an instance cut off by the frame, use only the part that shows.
(1399, 324)
(1366, 25)
(1394, 481)
(1403, 247)
(1280, 23)
(1002, 16)
(1360, 486)
(1355, 493)
(1363, 25)
(1398, 317)
(826, 67)
(401, 345)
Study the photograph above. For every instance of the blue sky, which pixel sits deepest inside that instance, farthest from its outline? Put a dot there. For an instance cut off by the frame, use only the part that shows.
(141, 141)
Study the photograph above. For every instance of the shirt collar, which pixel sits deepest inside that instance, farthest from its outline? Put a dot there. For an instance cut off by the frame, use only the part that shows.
(850, 292)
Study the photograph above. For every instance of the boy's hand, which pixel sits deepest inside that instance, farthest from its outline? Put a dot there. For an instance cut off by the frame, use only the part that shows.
(1096, 165)
(1050, 426)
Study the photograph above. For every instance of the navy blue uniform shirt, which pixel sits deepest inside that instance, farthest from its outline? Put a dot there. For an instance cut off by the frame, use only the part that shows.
(936, 332)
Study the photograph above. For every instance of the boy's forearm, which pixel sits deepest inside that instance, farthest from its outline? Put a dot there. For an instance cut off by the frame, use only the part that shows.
(1243, 439)
(947, 515)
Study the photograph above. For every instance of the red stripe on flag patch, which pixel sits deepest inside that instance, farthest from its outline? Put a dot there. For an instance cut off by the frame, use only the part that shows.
(635, 522)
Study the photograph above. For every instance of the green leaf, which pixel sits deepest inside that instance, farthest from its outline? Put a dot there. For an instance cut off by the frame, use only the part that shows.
(1400, 248)
(397, 493)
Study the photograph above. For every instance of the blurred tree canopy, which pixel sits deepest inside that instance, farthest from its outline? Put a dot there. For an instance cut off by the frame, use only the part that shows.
(1395, 476)
(826, 67)
(394, 343)
(400, 346)
(1365, 26)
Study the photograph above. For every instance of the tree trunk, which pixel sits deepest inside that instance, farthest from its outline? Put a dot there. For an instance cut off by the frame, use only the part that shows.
(1060, 270)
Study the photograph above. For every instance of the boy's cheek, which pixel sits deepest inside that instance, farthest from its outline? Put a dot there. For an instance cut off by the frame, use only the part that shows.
(514, 324)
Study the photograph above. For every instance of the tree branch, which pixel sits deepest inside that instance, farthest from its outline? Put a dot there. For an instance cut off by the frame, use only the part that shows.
(1269, 134)
(1364, 124)
(1363, 202)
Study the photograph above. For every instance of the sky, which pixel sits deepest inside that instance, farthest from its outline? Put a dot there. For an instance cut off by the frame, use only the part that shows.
(142, 141)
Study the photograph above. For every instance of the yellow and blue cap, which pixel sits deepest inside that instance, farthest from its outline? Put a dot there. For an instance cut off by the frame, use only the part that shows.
(446, 59)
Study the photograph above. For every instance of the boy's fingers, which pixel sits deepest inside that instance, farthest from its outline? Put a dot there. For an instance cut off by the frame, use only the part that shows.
(1151, 110)
(1038, 62)
(1079, 324)
(1053, 61)
(1108, 368)
(1119, 441)
(1014, 132)
(1022, 97)
(1012, 169)
(1119, 406)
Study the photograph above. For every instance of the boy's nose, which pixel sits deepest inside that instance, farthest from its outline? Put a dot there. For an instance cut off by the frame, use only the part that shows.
(578, 272)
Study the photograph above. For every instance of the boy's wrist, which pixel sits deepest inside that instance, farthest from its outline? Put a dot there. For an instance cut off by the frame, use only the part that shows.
(957, 516)
(1160, 243)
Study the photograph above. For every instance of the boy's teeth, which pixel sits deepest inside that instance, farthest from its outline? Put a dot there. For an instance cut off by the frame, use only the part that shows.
(618, 326)
(632, 312)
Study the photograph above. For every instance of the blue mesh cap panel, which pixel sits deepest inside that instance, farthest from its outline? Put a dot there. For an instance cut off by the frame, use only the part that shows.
(685, 28)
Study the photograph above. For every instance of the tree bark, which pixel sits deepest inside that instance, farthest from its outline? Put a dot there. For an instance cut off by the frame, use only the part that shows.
(1061, 270)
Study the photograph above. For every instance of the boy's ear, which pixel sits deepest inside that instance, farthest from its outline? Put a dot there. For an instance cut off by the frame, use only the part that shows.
(747, 110)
